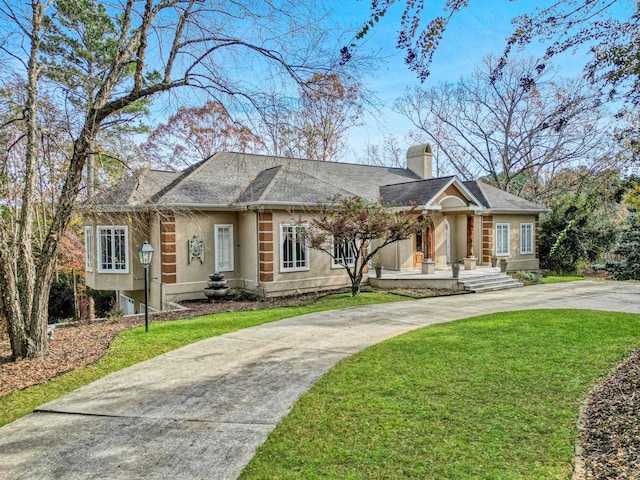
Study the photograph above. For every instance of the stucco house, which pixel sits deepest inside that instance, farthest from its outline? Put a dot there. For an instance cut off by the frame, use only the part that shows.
(232, 213)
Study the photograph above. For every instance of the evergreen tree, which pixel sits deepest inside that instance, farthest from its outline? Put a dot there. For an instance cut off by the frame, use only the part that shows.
(628, 248)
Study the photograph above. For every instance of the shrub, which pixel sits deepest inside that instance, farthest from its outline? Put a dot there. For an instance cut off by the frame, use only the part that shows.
(104, 301)
(528, 278)
(61, 299)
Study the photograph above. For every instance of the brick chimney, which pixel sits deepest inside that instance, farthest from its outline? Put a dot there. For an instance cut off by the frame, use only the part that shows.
(419, 160)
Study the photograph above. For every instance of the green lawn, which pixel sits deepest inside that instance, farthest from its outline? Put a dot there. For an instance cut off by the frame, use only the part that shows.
(493, 397)
(133, 346)
(561, 278)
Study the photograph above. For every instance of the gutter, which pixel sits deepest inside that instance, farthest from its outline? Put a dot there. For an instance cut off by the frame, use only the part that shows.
(507, 211)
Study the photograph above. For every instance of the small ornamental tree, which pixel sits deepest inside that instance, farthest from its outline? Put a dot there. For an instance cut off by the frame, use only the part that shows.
(345, 227)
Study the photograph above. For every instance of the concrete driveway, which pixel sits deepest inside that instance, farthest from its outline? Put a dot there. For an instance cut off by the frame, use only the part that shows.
(200, 412)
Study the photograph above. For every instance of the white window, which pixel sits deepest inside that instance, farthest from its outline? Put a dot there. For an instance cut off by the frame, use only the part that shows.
(343, 254)
(224, 248)
(502, 239)
(113, 249)
(294, 250)
(526, 238)
(88, 248)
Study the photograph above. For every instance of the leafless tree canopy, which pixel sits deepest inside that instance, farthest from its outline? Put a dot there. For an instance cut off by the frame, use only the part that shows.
(515, 134)
(99, 65)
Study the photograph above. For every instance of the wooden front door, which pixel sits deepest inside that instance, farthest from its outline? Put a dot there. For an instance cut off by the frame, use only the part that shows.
(418, 249)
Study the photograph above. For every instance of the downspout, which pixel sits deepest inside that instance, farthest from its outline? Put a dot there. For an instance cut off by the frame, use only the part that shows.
(255, 214)
(160, 282)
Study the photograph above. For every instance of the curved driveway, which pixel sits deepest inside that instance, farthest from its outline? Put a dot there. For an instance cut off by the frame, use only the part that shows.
(200, 412)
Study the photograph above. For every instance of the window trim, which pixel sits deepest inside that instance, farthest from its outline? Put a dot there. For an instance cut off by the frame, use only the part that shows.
(529, 236)
(217, 228)
(334, 263)
(127, 259)
(88, 248)
(508, 234)
(284, 269)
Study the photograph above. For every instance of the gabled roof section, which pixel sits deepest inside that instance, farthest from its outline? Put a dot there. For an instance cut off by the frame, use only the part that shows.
(136, 190)
(498, 200)
(282, 184)
(427, 193)
(419, 192)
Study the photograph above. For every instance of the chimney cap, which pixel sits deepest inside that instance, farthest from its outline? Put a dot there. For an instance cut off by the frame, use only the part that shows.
(419, 150)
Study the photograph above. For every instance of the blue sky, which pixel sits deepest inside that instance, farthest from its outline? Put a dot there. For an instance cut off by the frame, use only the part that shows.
(477, 31)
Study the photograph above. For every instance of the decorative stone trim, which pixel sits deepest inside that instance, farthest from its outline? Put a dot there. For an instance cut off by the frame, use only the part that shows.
(168, 249)
(265, 246)
(487, 239)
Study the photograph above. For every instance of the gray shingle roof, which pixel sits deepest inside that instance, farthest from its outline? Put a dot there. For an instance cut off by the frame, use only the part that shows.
(228, 178)
(496, 199)
(232, 178)
(138, 189)
(419, 192)
(282, 184)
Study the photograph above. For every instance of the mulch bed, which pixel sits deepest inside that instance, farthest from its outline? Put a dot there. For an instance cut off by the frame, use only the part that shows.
(610, 425)
(610, 421)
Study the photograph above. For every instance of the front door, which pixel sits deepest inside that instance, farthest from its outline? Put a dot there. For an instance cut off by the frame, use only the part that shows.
(418, 255)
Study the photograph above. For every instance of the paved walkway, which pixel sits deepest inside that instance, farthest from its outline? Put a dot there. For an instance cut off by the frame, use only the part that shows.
(200, 412)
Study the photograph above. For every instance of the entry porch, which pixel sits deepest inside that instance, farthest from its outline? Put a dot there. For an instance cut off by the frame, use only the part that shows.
(479, 279)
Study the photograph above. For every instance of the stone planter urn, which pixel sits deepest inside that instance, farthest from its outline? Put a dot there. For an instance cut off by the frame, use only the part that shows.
(455, 270)
(378, 272)
(503, 266)
(216, 287)
(494, 261)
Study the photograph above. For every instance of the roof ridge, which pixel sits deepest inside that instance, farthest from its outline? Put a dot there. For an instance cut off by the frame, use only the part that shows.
(278, 169)
(252, 183)
(335, 162)
(419, 180)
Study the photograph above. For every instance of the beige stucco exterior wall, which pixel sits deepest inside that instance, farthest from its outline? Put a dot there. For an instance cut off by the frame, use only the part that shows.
(440, 239)
(515, 259)
(399, 255)
(137, 225)
(320, 275)
(192, 278)
(247, 244)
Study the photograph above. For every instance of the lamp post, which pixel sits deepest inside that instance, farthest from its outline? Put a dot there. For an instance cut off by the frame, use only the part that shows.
(145, 254)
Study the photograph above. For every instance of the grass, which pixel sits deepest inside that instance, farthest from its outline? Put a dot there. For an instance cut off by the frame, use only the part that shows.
(549, 279)
(134, 346)
(493, 397)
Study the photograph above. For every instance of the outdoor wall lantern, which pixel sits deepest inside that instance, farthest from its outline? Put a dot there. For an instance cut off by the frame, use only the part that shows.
(145, 254)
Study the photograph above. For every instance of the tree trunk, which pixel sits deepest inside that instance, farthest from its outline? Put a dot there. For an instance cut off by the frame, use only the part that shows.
(38, 341)
(355, 285)
(26, 267)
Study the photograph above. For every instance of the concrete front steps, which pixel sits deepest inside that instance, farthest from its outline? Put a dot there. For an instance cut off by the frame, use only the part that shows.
(488, 282)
